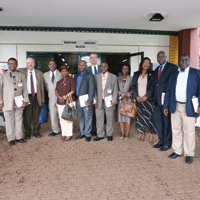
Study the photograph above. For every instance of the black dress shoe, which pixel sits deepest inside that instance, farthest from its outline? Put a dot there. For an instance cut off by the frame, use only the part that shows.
(21, 141)
(88, 139)
(94, 133)
(189, 159)
(110, 138)
(80, 137)
(174, 155)
(164, 148)
(27, 136)
(37, 135)
(158, 145)
(12, 142)
(98, 138)
(53, 134)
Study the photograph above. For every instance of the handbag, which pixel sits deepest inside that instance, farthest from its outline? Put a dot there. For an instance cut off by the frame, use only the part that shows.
(69, 113)
(128, 109)
(43, 117)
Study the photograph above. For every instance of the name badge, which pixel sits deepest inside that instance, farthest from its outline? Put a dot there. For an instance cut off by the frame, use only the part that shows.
(20, 84)
(109, 91)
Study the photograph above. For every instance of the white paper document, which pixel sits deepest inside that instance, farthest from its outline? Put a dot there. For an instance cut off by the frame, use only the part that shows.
(195, 103)
(162, 98)
(19, 101)
(83, 100)
(108, 101)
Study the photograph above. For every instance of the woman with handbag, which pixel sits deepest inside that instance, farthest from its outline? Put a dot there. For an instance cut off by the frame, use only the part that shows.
(65, 88)
(124, 84)
(142, 89)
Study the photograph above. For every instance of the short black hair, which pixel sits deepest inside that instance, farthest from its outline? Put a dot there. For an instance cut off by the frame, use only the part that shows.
(141, 63)
(184, 55)
(13, 59)
(129, 68)
(64, 67)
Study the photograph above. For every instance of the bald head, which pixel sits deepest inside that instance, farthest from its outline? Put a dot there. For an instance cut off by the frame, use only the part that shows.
(30, 64)
(161, 57)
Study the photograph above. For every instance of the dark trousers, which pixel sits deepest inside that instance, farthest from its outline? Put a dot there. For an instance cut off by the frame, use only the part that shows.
(163, 126)
(94, 128)
(31, 114)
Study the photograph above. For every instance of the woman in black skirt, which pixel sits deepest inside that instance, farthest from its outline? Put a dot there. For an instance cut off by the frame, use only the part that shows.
(142, 90)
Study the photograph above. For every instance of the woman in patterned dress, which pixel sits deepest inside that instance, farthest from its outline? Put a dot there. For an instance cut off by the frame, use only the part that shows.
(142, 89)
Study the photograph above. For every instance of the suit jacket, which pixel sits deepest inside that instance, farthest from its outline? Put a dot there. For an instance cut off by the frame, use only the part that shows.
(161, 84)
(7, 92)
(150, 85)
(40, 83)
(126, 88)
(87, 86)
(112, 82)
(193, 89)
(89, 69)
(50, 87)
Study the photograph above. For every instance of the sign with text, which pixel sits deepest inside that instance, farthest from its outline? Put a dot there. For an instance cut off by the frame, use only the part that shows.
(80, 44)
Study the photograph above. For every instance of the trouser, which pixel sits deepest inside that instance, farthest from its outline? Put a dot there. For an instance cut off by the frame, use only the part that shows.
(31, 114)
(100, 112)
(54, 118)
(183, 131)
(66, 126)
(163, 126)
(94, 128)
(13, 119)
(85, 115)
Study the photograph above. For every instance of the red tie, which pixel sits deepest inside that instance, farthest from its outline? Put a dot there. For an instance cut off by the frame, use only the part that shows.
(32, 86)
(160, 71)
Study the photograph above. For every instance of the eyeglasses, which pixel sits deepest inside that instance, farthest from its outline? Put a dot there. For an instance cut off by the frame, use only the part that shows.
(182, 59)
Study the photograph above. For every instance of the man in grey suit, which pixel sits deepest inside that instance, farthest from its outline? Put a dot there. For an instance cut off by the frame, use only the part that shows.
(85, 85)
(12, 85)
(106, 86)
(50, 79)
(94, 69)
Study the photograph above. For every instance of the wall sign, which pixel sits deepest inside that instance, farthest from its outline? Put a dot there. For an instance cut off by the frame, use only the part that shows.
(80, 44)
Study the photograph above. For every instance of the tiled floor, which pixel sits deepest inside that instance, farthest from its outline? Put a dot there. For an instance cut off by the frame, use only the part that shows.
(47, 168)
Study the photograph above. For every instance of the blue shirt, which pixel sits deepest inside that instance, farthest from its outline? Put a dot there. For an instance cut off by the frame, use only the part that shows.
(78, 82)
(163, 65)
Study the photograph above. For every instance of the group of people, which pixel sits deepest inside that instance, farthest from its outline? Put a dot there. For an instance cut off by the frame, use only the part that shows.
(163, 100)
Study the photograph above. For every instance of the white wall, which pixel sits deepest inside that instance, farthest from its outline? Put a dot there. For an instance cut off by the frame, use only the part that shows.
(17, 43)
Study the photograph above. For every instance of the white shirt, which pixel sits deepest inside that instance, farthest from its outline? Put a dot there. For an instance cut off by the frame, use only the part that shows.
(51, 73)
(29, 81)
(93, 69)
(181, 85)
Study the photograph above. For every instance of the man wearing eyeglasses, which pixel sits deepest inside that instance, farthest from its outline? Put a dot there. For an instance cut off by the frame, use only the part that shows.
(35, 86)
(94, 69)
(50, 79)
(182, 88)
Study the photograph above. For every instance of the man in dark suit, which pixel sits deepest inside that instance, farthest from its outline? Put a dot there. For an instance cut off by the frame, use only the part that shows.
(182, 86)
(94, 69)
(163, 124)
(35, 86)
(85, 85)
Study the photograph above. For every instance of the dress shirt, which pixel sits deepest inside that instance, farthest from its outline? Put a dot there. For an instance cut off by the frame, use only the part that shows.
(29, 81)
(64, 87)
(163, 66)
(93, 69)
(181, 85)
(142, 85)
(79, 79)
(104, 80)
(51, 73)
